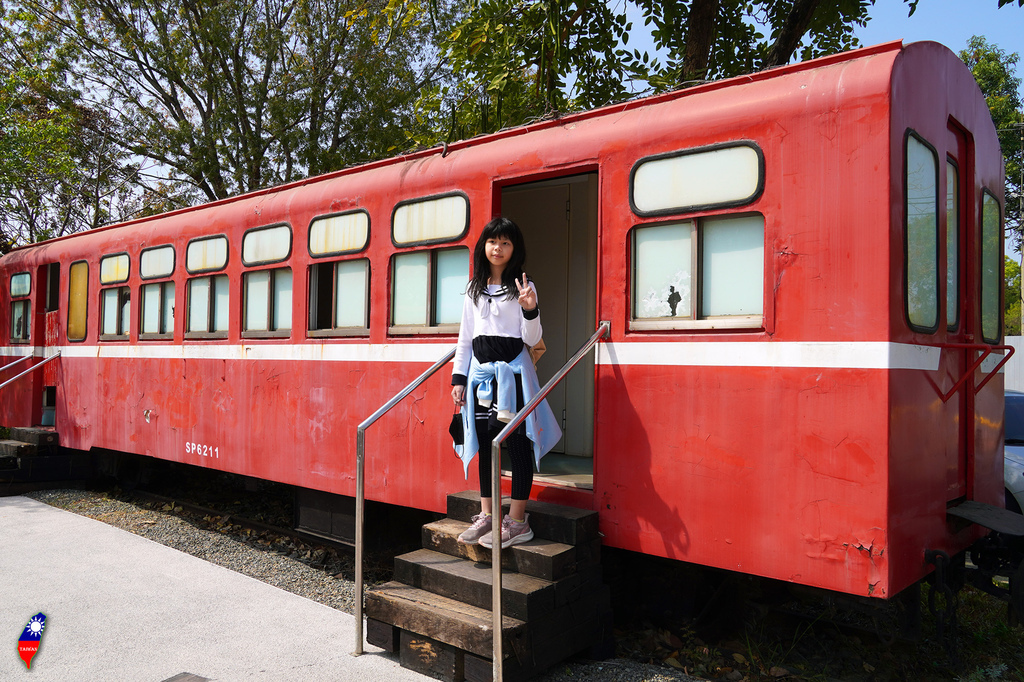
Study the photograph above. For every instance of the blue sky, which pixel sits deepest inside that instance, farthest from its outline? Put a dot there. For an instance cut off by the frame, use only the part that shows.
(950, 22)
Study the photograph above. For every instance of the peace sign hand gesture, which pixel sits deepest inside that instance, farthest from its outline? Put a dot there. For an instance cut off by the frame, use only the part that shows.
(527, 296)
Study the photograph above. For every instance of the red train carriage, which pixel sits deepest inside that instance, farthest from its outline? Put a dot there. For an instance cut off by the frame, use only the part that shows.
(800, 268)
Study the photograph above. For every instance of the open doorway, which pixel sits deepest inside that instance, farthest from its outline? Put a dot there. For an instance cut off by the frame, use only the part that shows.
(558, 218)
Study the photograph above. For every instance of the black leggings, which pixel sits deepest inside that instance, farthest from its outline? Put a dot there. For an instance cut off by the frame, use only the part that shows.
(517, 445)
(520, 454)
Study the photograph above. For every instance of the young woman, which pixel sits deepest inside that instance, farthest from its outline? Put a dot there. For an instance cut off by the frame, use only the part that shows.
(494, 377)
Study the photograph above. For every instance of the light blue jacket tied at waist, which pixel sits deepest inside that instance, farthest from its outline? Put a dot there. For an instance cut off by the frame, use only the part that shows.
(541, 425)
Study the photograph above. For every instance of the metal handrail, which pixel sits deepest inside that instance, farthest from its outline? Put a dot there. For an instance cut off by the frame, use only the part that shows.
(18, 361)
(30, 369)
(360, 487)
(603, 330)
(985, 350)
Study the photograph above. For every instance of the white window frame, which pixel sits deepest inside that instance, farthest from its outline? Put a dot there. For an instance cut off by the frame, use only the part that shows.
(16, 280)
(991, 272)
(211, 310)
(431, 327)
(695, 318)
(916, 293)
(114, 269)
(146, 270)
(411, 220)
(258, 250)
(200, 250)
(20, 299)
(26, 316)
(314, 305)
(350, 231)
(121, 324)
(272, 294)
(723, 175)
(164, 332)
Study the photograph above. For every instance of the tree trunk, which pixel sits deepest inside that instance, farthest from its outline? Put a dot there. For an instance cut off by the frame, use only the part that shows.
(792, 33)
(700, 37)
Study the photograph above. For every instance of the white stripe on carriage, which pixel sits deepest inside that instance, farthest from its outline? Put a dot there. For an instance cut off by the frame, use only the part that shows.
(359, 352)
(824, 354)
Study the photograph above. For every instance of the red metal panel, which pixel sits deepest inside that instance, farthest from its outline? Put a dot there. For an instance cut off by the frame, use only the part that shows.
(775, 472)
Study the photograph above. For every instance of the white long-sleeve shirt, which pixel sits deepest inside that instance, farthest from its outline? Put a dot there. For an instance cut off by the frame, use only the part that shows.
(491, 328)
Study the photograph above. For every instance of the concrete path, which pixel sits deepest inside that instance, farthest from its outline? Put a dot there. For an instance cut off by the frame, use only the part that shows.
(121, 607)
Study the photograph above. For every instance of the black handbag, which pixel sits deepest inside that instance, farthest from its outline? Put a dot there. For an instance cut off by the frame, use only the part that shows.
(455, 429)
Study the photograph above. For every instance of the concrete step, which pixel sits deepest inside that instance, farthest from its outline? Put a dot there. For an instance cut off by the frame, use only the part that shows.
(9, 462)
(549, 521)
(540, 558)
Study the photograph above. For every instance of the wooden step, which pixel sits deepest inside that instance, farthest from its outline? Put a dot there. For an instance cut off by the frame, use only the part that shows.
(431, 632)
(46, 441)
(522, 596)
(9, 462)
(585, 625)
(453, 622)
(540, 558)
(69, 465)
(436, 614)
(17, 448)
(549, 521)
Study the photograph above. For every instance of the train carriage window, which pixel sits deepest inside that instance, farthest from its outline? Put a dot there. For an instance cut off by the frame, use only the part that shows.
(427, 290)
(157, 310)
(267, 245)
(20, 321)
(733, 267)
(268, 301)
(21, 287)
(157, 262)
(339, 297)
(730, 174)
(52, 287)
(991, 268)
(115, 313)
(157, 298)
(430, 220)
(411, 281)
(922, 235)
(114, 269)
(78, 298)
(115, 302)
(952, 246)
(699, 274)
(335, 235)
(208, 301)
(206, 254)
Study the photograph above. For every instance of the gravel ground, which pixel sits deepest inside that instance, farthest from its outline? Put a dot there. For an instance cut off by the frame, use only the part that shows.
(308, 571)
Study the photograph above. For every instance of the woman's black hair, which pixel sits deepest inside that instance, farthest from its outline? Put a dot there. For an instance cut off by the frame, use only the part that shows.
(497, 228)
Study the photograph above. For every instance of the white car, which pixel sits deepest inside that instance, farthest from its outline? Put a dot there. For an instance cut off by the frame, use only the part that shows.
(1013, 451)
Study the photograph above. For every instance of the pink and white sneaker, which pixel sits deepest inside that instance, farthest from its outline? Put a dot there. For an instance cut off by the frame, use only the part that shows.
(512, 533)
(481, 526)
